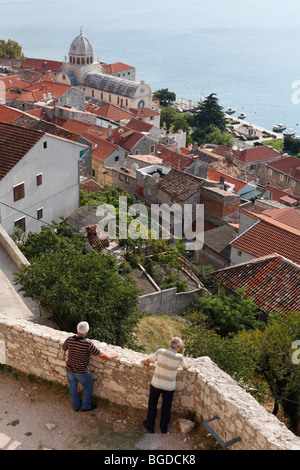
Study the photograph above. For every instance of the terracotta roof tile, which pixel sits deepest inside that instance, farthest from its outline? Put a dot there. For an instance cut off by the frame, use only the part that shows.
(116, 67)
(270, 236)
(15, 143)
(255, 154)
(8, 114)
(272, 281)
(289, 166)
(41, 64)
(215, 175)
(177, 160)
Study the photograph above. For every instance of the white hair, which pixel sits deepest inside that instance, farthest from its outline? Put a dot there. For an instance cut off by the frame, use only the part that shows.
(83, 327)
(175, 342)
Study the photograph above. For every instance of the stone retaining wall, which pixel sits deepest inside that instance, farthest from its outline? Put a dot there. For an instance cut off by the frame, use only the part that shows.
(204, 389)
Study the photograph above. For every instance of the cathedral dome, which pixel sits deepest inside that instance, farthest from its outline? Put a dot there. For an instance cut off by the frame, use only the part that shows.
(81, 46)
(81, 51)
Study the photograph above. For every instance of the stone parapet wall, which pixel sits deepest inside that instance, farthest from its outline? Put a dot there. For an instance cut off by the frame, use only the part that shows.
(204, 389)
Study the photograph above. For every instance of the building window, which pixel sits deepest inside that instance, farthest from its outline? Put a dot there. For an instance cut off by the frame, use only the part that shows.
(101, 95)
(93, 172)
(270, 171)
(252, 167)
(92, 93)
(137, 152)
(39, 214)
(109, 98)
(45, 145)
(116, 158)
(152, 148)
(20, 223)
(281, 177)
(121, 177)
(239, 253)
(19, 192)
(39, 179)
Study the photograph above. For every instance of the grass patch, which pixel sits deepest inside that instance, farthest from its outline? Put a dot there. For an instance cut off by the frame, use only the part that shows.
(155, 332)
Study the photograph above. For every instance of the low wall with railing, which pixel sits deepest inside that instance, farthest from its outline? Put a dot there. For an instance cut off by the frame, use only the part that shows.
(204, 389)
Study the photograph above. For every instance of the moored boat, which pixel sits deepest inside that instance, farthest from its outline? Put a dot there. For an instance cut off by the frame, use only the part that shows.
(289, 132)
(279, 128)
(242, 116)
(230, 110)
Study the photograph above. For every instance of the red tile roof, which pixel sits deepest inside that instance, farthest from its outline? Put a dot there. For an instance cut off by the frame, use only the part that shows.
(143, 113)
(272, 281)
(214, 175)
(139, 125)
(289, 166)
(8, 114)
(13, 81)
(41, 64)
(15, 143)
(116, 67)
(255, 154)
(270, 236)
(278, 194)
(90, 186)
(109, 111)
(177, 160)
(125, 137)
(288, 216)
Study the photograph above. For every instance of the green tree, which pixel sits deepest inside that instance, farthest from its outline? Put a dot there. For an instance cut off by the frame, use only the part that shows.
(231, 354)
(208, 113)
(11, 50)
(74, 287)
(57, 236)
(167, 117)
(213, 135)
(272, 351)
(165, 96)
(227, 313)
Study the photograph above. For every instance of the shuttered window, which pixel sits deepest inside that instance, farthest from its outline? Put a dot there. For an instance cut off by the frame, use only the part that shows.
(19, 191)
(20, 223)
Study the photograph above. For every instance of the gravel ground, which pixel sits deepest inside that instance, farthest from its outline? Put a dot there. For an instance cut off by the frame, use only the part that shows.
(35, 415)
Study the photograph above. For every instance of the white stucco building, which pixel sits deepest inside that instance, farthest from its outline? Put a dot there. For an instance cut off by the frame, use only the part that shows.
(39, 178)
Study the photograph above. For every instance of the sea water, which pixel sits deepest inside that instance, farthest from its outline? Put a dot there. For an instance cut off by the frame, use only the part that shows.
(247, 52)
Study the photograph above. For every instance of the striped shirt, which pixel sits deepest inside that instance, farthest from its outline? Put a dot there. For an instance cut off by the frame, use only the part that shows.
(80, 350)
(168, 361)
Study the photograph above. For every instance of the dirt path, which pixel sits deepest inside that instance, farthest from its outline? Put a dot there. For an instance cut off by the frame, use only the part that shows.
(29, 408)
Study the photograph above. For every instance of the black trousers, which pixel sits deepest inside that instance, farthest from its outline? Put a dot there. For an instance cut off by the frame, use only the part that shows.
(167, 398)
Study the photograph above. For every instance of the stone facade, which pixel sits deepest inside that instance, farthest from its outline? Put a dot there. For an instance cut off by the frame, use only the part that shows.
(204, 389)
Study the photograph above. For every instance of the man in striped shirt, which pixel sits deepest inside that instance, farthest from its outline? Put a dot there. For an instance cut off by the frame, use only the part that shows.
(79, 351)
(164, 382)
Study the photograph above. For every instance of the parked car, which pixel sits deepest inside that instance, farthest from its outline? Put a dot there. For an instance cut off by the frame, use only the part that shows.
(257, 144)
(242, 137)
(236, 134)
(228, 130)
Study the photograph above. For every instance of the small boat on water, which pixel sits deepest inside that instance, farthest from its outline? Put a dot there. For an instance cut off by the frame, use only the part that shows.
(242, 116)
(230, 110)
(289, 132)
(279, 128)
